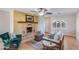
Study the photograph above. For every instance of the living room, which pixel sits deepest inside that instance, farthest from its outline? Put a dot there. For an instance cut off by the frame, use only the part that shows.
(33, 28)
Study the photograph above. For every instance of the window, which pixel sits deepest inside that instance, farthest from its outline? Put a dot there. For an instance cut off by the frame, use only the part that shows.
(63, 24)
(58, 24)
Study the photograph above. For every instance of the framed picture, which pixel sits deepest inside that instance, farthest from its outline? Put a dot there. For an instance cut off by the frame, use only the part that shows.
(29, 18)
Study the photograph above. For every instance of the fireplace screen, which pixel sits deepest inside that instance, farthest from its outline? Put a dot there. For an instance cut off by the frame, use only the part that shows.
(29, 29)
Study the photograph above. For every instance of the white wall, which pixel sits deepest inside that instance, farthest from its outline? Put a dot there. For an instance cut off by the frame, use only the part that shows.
(70, 21)
(77, 26)
(4, 22)
(11, 21)
(41, 24)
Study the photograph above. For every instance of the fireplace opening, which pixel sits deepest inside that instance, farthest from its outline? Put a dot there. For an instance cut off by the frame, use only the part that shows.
(29, 29)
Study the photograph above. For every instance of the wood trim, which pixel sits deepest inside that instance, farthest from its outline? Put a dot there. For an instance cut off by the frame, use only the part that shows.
(26, 22)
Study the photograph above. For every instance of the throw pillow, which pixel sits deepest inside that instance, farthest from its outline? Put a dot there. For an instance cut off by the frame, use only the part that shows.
(51, 36)
(12, 35)
(57, 37)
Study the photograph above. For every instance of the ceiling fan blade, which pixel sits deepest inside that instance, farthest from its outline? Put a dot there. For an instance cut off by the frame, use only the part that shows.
(48, 13)
(33, 11)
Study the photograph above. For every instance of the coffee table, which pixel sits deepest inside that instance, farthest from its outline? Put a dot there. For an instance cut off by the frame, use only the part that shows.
(48, 43)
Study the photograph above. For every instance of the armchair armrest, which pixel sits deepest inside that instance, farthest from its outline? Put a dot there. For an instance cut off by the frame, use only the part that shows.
(51, 41)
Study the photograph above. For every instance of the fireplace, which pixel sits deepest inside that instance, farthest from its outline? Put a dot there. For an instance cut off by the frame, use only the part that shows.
(29, 29)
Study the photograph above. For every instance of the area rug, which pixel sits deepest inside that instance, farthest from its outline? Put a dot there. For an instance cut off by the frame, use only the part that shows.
(37, 45)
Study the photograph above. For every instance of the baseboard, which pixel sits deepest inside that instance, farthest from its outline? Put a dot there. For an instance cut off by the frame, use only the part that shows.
(70, 36)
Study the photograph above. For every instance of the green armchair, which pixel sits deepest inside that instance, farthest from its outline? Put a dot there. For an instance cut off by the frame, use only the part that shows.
(8, 42)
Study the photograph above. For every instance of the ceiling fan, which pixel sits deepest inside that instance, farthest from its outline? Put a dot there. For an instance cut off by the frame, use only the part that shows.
(42, 11)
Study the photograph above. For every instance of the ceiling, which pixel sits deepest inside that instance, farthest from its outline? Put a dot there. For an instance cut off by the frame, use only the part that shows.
(64, 11)
(54, 11)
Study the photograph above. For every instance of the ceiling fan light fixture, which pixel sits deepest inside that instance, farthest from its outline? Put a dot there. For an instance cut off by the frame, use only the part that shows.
(41, 13)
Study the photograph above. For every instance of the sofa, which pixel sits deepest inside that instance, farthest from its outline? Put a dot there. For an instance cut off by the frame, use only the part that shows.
(8, 42)
(53, 41)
